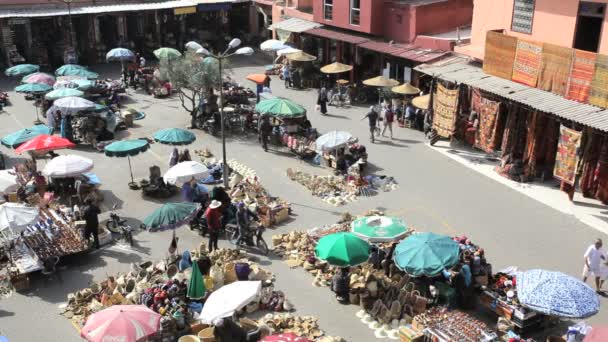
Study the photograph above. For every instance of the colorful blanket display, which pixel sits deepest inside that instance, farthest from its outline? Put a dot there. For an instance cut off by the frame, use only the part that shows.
(488, 114)
(581, 75)
(445, 105)
(566, 159)
(527, 62)
(599, 85)
(555, 68)
(499, 54)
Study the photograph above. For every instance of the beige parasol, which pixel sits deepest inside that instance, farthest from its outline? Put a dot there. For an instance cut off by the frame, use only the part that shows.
(381, 81)
(336, 68)
(300, 57)
(406, 89)
(422, 102)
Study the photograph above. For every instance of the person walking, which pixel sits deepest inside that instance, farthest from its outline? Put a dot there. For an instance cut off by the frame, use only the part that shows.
(594, 255)
(389, 118)
(214, 223)
(91, 216)
(322, 101)
(372, 117)
(265, 129)
(286, 75)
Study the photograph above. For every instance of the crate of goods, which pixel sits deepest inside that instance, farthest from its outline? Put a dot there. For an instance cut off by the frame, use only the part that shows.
(408, 334)
(281, 215)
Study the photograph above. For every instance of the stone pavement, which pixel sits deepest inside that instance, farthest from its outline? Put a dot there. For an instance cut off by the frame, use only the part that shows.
(435, 193)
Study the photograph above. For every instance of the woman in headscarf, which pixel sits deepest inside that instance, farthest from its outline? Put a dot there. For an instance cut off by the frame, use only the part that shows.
(185, 156)
(322, 101)
(185, 262)
(174, 157)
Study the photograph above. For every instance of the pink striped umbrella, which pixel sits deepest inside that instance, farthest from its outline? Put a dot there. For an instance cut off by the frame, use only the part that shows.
(128, 323)
(39, 77)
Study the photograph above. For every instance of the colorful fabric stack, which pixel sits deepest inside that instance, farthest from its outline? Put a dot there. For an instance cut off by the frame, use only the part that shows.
(499, 54)
(567, 157)
(488, 114)
(527, 62)
(555, 68)
(599, 85)
(581, 75)
(445, 104)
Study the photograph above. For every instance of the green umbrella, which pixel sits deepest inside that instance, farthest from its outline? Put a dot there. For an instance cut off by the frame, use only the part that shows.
(196, 286)
(174, 136)
(33, 88)
(63, 92)
(22, 69)
(83, 84)
(127, 148)
(342, 249)
(171, 215)
(426, 254)
(380, 228)
(280, 107)
(81, 73)
(69, 70)
(167, 53)
(15, 139)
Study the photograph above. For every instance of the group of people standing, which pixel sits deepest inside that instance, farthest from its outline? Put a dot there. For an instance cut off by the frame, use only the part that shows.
(178, 157)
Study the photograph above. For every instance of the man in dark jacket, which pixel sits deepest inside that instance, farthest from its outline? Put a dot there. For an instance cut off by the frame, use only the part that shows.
(90, 215)
(243, 218)
(265, 129)
(226, 330)
(340, 285)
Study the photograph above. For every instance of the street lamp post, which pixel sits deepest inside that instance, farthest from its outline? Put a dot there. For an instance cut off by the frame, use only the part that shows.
(234, 43)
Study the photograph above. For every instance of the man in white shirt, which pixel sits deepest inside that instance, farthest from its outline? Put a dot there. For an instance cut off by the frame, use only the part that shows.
(593, 259)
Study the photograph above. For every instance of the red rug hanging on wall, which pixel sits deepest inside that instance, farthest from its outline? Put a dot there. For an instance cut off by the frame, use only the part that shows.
(527, 62)
(566, 159)
(488, 119)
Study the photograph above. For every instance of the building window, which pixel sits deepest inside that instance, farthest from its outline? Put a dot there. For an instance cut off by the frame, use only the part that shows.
(523, 16)
(399, 18)
(328, 9)
(355, 12)
(589, 24)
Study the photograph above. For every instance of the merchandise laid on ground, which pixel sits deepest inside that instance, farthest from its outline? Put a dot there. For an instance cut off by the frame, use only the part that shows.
(412, 285)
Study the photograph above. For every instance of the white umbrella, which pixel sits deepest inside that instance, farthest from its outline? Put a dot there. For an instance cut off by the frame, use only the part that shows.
(185, 171)
(67, 166)
(8, 181)
(273, 45)
(228, 299)
(193, 46)
(333, 140)
(65, 84)
(287, 50)
(73, 104)
(16, 217)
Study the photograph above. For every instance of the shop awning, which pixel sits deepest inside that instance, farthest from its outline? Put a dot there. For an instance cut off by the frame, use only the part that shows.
(336, 35)
(534, 98)
(410, 52)
(60, 10)
(295, 25)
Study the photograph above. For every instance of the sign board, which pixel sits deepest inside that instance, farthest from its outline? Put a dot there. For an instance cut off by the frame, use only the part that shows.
(184, 10)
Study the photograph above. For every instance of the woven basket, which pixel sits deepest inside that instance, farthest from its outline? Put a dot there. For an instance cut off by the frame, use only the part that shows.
(206, 335)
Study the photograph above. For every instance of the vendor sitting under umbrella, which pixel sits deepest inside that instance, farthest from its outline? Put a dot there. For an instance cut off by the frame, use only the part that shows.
(226, 330)
(340, 285)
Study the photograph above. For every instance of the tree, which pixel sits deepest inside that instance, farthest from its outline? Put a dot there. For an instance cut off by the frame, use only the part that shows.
(193, 77)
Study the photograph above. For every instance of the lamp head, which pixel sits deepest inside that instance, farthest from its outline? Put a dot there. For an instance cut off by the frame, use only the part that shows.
(234, 43)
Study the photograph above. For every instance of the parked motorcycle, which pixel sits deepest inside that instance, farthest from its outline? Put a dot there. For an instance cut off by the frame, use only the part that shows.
(339, 97)
(233, 235)
(116, 225)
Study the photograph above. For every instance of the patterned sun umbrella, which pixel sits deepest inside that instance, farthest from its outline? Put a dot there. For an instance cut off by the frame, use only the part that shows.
(120, 55)
(380, 228)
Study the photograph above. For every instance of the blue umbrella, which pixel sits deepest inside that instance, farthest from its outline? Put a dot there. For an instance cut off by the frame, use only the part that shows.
(15, 139)
(33, 88)
(69, 69)
(83, 84)
(81, 73)
(22, 69)
(556, 294)
(120, 55)
(174, 136)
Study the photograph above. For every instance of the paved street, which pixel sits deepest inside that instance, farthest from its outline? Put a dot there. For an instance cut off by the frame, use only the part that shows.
(435, 193)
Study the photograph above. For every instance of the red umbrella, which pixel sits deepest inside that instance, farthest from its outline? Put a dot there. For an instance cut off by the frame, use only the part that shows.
(44, 143)
(132, 323)
(287, 337)
(599, 334)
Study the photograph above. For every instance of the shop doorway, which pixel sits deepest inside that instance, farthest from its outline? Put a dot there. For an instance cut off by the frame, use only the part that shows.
(589, 26)
(108, 28)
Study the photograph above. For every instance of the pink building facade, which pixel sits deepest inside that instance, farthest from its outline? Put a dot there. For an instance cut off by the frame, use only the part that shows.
(570, 23)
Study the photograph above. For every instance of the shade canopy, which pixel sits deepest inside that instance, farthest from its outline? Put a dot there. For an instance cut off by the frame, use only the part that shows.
(228, 299)
(73, 104)
(280, 107)
(22, 69)
(120, 55)
(167, 53)
(8, 181)
(273, 45)
(422, 102)
(333, 140)
(426, 254)
(300, 56)
(16, 216)
(381, 81)
(15, 139)
(63, 92)
(193, 46)
(69, 69)
(39, 77)
(342, 249)
(174, 136)
(196, 285)
(45, 142)
(336, 68)
(171, 215)
(33, 88)
(287, 51)
(405, 89)
(380, 228)
(61, 84)
(183, 172)
(67, 166)
(257, 78)
(125, 148)
(556, 294)
(131, 323)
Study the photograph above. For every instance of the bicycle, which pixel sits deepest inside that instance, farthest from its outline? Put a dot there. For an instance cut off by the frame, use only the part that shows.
(233, 235)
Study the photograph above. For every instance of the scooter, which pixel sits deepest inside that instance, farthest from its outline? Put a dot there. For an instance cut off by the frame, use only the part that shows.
(117, 225)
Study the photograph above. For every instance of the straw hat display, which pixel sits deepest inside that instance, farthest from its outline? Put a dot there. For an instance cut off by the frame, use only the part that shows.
(304, 326)
(300, 56)
(406, 89)
(336, 68)
(422, 102)
(381, 81)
